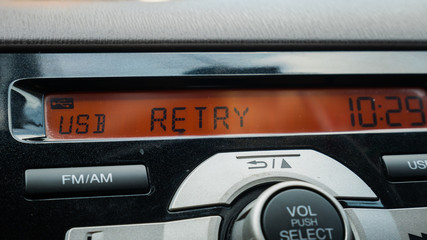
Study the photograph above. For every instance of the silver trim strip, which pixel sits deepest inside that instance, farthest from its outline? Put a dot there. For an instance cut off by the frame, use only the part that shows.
(189, 229)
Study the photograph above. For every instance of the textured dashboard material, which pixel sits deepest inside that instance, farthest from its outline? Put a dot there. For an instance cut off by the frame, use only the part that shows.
(214, 23)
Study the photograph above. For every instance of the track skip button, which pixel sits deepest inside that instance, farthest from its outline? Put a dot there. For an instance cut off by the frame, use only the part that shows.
(224, 176)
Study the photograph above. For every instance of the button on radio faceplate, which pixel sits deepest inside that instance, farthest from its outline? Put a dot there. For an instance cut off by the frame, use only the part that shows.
(86, 181)
(406, 167)
(221, 178)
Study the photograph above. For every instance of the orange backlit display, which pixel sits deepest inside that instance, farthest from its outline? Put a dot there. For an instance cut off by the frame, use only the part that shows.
(183, 113)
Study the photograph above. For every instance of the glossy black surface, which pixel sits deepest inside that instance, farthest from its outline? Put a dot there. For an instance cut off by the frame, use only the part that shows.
(170, 161)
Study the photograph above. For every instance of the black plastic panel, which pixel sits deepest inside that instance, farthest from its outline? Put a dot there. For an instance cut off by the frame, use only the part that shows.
(170, 161)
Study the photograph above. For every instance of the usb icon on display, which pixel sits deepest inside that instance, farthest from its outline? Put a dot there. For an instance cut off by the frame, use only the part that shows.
(62, 103)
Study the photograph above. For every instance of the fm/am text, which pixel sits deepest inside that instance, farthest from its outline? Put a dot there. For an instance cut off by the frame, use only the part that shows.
(81, 179)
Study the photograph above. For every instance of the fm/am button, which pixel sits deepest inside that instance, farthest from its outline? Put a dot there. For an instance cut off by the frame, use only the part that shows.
(86, 181)
(406, 167)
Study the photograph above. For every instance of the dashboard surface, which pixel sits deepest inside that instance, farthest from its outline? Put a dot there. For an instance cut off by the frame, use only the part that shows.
(216, 25)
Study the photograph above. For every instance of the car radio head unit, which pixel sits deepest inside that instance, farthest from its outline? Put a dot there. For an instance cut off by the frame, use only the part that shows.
(229, 146)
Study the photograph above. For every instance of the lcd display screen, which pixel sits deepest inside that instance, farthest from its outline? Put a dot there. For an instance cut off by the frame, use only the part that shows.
(186, 113)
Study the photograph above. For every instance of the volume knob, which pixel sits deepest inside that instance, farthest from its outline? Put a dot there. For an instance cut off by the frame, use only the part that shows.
(292, 211)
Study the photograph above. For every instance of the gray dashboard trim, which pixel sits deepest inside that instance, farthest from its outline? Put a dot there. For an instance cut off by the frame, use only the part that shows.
(213, 22)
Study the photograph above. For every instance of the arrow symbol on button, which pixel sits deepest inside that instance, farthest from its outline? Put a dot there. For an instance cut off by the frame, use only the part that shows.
(413, 237)
(264, 164)
(285, 164)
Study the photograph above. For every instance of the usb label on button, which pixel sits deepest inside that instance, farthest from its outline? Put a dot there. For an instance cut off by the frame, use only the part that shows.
(406, 167)
(420, 164)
